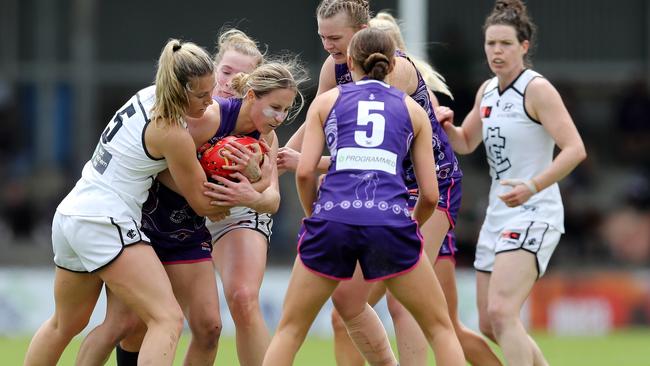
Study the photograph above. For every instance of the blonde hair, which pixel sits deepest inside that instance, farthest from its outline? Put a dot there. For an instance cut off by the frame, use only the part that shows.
(357, 10)
(283, 73)
(180, 63)
(387, 23)
(235, 40)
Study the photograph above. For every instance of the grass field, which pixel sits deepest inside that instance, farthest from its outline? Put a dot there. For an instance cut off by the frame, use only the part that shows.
(626, 348)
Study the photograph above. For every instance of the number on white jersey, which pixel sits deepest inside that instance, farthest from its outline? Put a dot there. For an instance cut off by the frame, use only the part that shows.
(115, 125)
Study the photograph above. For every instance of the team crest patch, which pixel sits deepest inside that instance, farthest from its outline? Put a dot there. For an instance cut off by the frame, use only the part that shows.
(486, 111)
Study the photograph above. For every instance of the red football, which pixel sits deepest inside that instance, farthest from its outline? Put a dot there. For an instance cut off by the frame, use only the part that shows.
(213, 158)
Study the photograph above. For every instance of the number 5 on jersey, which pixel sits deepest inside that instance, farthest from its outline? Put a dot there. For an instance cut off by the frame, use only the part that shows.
(376, 136)
(116, 123)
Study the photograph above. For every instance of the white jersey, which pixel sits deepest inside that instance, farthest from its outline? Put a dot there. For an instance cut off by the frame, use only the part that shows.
(116, 180)
(517, 147)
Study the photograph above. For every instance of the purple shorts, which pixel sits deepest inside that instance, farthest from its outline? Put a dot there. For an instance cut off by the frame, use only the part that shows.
(332, 249)
(451, 192)
(199, 252)
(177, 233)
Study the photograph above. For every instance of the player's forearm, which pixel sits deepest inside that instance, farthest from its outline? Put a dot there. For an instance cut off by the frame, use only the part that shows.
(422, 212)
(307, 192)
(262, 185)
(562, 165)
(324, 164)
(458, 139)
(295, 141)
(268, 202)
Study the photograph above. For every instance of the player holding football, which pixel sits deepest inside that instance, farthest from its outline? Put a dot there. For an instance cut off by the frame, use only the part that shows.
(96, 233)
(268, 95)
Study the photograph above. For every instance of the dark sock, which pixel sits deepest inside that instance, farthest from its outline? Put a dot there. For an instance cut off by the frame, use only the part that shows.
(125, 358)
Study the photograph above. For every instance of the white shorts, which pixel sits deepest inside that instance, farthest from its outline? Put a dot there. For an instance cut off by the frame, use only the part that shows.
(241, 217)
(538, 238)
(88, 243)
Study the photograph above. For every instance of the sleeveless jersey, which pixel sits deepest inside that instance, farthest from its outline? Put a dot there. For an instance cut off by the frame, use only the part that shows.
(167, 217)
(368, 133)
(517, 147)
(446, 162)
(169, 221)
(229, 109)
(116, 180)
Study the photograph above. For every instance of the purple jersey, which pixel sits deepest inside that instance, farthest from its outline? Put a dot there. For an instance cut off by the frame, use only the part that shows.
(229, 109)
(169, 220)
(342, 73)
(369, 133)
(177, 233)
(446, 162)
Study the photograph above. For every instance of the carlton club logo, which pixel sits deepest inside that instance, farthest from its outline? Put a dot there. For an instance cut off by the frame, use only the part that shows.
(495, 145)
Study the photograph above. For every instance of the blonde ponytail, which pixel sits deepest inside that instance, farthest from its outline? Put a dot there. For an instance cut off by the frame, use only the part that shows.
(179, 64)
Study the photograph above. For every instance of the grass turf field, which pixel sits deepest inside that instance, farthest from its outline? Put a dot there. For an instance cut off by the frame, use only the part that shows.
(623, 348)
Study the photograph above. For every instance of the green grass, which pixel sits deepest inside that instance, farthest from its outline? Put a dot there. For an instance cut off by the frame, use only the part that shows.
(624, 348)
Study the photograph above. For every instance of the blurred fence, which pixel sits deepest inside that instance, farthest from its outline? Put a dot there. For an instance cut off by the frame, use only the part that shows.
(566, 303)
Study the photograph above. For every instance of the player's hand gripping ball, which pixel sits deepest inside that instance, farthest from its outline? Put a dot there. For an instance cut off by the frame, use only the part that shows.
(214, 158)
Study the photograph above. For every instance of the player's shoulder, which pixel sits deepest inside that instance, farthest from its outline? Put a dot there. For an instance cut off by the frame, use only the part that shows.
(161, 137)
(328, 97)
(539, 82)
(327, 76)
(540, 90)
(167, 132)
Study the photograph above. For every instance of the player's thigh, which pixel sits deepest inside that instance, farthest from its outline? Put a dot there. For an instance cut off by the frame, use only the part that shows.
(513, 277)
(434, 231)
(377, 291)
(195, 288)
(482, 286)
(420, 293)
(351, 296)
(75, 296)
(305, 296)
(240, 257)
(445, 270)
(138, 279)
(121, 319)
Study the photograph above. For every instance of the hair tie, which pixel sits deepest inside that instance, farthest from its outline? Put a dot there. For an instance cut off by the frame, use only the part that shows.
(176, 47)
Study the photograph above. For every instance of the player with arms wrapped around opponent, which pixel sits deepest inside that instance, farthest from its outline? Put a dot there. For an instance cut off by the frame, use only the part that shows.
(360, 213)
(96, 231)
(269, 93)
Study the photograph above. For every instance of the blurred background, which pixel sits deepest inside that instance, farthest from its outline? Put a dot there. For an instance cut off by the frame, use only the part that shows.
(66, 66)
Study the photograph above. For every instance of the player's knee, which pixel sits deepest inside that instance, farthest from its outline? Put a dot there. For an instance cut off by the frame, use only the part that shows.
(128, 325)
(171, 320)
(243, 302)
(499, 317)
(70, 328)
(349, 308)
(207, 332)
(485, 327)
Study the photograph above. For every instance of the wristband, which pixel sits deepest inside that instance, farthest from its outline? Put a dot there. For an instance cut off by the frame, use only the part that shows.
(531, 185)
